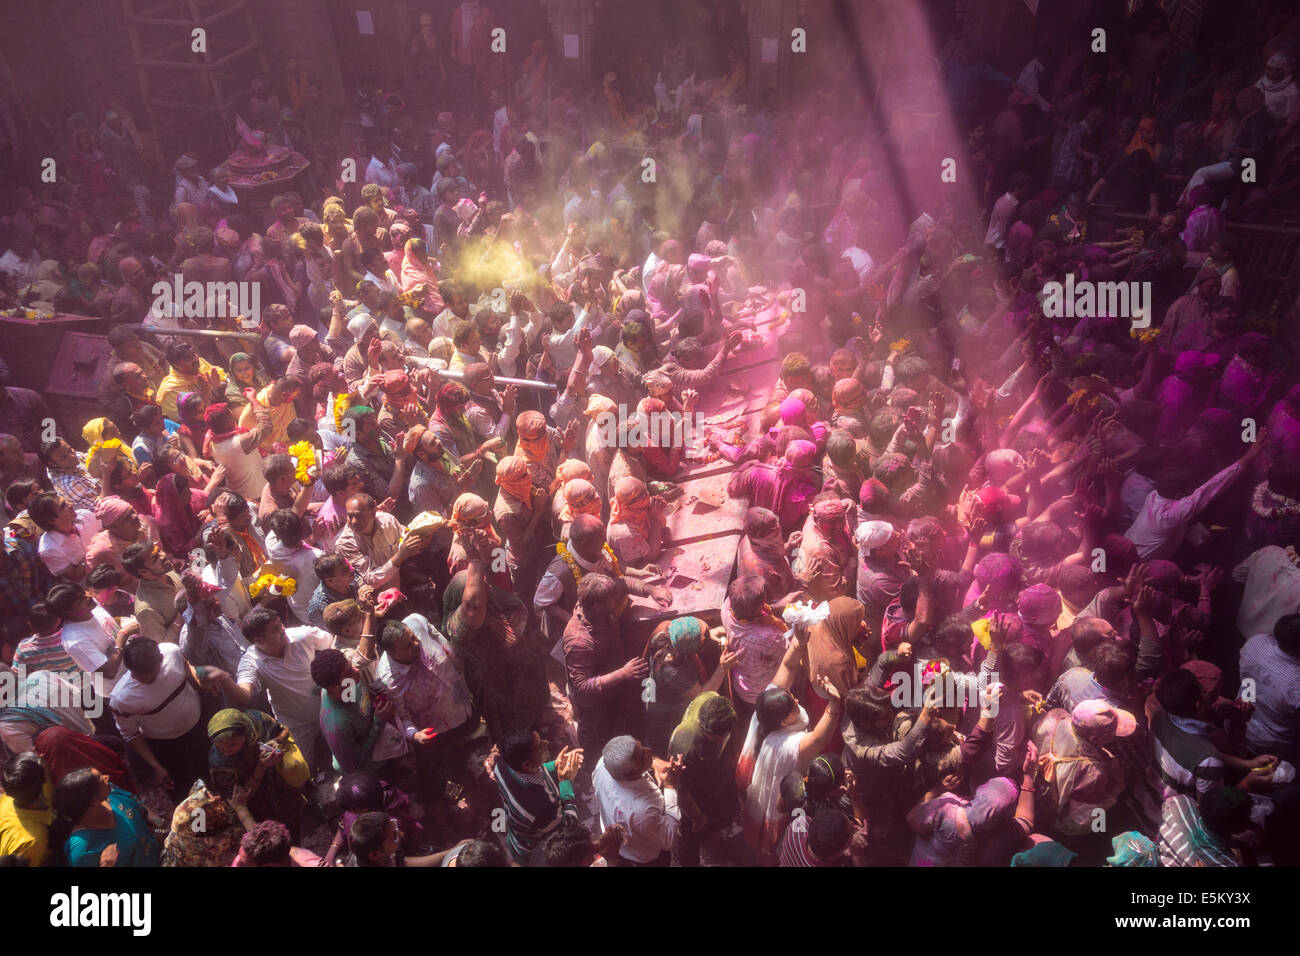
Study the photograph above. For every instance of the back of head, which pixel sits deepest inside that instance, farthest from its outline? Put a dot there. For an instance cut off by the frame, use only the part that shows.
(1225, 811)
(570, 845)
(619, 755)
(368, 834)
(829, 833)
(516, 747)
(1179, 693)
(23, 777)
(267, 844)
(1287, 633)
(482, 853)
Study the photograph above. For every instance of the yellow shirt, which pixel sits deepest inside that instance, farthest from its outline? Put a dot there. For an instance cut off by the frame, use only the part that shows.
(23, 831)
(176, 384)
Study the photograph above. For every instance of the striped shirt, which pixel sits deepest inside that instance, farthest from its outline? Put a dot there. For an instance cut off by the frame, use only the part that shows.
(1184, 840)
(535, 804)
(44, 652)
(794, 845)
(79, 488)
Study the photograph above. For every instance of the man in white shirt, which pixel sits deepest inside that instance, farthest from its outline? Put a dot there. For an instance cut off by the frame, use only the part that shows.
(67, 532)
(1272, 663)
(1272, 589)
(289, 555)
(21, 262)
(159, 714)
(644, 803)
(91, 637)
(279, 662)
(1168, 512)
(1004, 210)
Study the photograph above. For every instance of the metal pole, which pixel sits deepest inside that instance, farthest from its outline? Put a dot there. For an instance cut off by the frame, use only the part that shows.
(499, 379)
(200, 333)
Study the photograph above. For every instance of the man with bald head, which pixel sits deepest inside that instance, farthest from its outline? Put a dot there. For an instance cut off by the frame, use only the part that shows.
(131, 303)
(375, 543)
(585, 552)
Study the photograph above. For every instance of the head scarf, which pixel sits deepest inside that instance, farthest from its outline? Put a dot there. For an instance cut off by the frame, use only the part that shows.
(598, 405)
(1133, 849)
(572, 468)
(94, 430)
(763, 529)
(514, 478)
(1039, 606)
(993, 803)
(1148, 125)
(232, 719)
(359, 324)
(63, 751)
(686, 634)
(631, 506)
(872, 534)
(177, 522)
(1046, 853)
(580, 498)
(830, 643)
(110, 510)
(534, 440)
(468, 513)
(235, 360)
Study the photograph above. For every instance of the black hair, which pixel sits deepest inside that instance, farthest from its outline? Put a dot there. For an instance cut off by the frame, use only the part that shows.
(336, 477)
(277, 466)
(1179, 693)
(44, 510)
(516, 746)
(825, 773)
(747, 594)
(104, 576)
(909, 593)
(23, 777)
(136, 556)
(1085, 637)
(717, 716)
(1020, 661)
(1225, 811)
(286, 525)
(330, 564)
(868, 707)
(42, 620)
(145, 416)
(63, 597)
(17, 494)
(255, 623)
(46, 449)
(569, 845)
(140, 654)
(1113, 662)
(267, 844)
(360, 792)
(482, 853)
(1287, 632)
(368, 834)
(771, 708)
(828, 833)
(75, 794)
(327, 667)
(391, 634)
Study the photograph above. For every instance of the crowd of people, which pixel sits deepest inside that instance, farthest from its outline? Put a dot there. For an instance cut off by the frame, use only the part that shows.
(1011, 588)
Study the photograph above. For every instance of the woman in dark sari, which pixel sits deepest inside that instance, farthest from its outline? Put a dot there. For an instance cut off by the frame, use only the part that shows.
(173, 509)
(500, 654)
(238, 756)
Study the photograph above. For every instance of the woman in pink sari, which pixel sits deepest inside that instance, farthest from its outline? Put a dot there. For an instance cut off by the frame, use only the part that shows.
(179, 525)
(418, 272)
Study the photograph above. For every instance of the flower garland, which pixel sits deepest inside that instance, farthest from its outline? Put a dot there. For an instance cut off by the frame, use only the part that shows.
(563, 551)
(1145, 336)
(276, 585)
(899, 345)
(303, 454)
(112, 444)
(342, 402)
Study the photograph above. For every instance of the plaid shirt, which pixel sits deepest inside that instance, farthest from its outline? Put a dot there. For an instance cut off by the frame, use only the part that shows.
(1070, 166)
(22, 578)
(79, 488)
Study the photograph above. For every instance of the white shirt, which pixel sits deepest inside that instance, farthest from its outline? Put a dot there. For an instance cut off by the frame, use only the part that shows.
(650, 816)
(1162, 524)
(1274, 726)
(295, 698)
(59, 551)
(132, 699)
(299, 564)
(1272, 590)
(379, 172)
(22, 271)
(87, 642)
(1000, 220)
(243, 469)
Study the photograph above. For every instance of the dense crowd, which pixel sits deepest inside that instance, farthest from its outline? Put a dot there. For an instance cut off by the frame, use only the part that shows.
(1012, 587)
